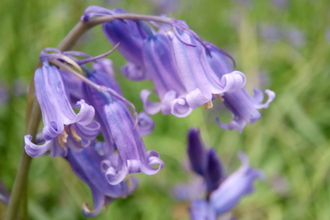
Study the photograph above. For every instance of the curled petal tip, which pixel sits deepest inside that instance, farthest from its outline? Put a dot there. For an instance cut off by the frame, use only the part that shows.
(91, 213)
(145, 124)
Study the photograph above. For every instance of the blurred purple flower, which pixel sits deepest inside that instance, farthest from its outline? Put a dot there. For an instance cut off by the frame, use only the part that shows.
(295, 37)
(4, 194)
(280, 3)
(62, 126)
(87, 166)
(4, 97)
(214, 194)
(165, 6)
(235, 186)
(270, 32)
(19, 87)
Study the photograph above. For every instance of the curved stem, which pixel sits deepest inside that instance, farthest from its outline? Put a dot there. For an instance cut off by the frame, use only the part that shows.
(33, 112)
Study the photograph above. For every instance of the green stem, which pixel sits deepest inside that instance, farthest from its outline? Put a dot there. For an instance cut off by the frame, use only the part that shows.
(33, 112)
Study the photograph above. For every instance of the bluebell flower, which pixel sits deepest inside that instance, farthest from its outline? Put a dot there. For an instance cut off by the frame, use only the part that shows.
(119, 132)
(61, 123)
(200, 80)
(87, 165)
(240, 103)
(220, 193)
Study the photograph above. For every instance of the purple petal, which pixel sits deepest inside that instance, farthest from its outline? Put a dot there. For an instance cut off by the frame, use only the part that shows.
(134, 72)
(271, 97)
(196, 151)
(191, 71)
(133, 156)
(235, 186)
(159, 61)
(188, 191)
(213, 171)
(180, 108)
(104, 66)
(149, 107)
(145, 125)
(34, 150)
(131, 35)
(235, 124)
(201, 210)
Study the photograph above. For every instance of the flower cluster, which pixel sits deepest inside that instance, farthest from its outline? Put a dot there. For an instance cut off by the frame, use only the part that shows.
(218, 193)
(186, 71)
(79, 109)
(103, 166)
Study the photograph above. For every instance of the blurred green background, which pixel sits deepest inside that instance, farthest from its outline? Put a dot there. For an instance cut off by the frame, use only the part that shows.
(281, 45)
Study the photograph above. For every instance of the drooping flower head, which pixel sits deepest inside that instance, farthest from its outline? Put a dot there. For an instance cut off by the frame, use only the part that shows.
(186, 72)
(119, 131)
(62, 126)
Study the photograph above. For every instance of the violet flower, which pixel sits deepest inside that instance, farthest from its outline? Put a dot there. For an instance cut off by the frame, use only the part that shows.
(119, 132)
(200, 80)
(87, 166)
(240, 103)
(177, 65)
(221, 192)
(61, 123)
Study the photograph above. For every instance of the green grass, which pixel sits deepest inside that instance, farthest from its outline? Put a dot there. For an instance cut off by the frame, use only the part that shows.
(291, 140)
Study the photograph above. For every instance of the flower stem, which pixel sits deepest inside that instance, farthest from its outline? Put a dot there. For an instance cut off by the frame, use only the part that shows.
(33, 112)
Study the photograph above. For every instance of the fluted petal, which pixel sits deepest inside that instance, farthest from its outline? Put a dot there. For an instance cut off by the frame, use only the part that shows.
(235, 186)
(191, 72)
(160, 64)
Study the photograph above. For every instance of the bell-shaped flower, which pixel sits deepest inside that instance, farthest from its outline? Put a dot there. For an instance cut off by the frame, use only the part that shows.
(235, 186)
(131, 35)
(61, 123)
(162, 71)
(87, 166)
(243, 107)
(195, 72)
(119, 132)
